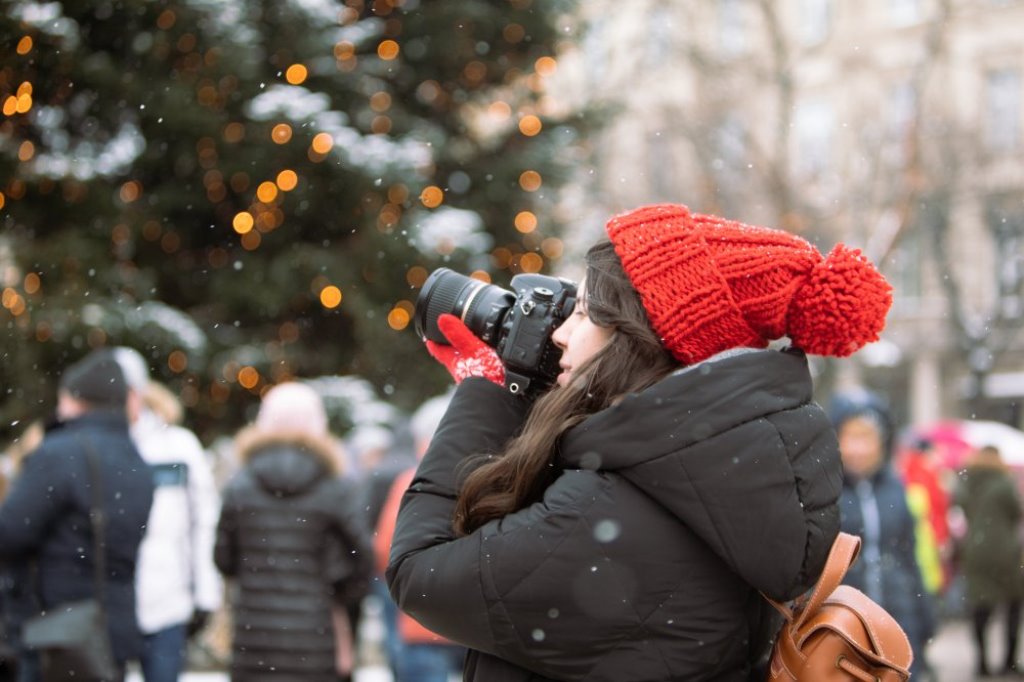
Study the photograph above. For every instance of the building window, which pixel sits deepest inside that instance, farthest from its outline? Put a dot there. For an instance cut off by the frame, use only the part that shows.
(731, 28)
(1003, 110)
(814, 124)
(815, 21)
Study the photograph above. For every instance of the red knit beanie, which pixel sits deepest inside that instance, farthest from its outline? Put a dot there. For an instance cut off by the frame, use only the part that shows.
(710, 284)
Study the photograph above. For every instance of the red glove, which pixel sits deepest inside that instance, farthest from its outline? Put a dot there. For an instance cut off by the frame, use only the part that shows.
(467, 356)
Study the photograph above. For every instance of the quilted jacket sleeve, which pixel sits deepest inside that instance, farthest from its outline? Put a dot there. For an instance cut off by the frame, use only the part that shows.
(434, 576)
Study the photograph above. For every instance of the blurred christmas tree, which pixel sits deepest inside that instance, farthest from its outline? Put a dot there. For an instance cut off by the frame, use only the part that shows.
(250, 191)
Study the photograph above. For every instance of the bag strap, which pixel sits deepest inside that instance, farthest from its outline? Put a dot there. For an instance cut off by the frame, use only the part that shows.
(844, 551)
(97, 519)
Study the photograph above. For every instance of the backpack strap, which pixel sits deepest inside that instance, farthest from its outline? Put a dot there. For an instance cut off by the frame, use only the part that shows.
(844, 551)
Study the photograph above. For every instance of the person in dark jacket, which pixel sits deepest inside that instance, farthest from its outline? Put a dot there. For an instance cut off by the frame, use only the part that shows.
(626, 524)
(44, 521)
(292, 537)
(992, 552)
(874, 506)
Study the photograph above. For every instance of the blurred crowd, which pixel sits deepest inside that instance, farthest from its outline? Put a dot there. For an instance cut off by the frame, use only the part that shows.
(264, 557)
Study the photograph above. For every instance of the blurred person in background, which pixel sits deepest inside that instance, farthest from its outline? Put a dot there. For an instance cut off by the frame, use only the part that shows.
(991, 552)
(177, 584)
(45, 518)
(929, 502)
(291, 537)
(874, 506)
(416, 653)
(13, 582)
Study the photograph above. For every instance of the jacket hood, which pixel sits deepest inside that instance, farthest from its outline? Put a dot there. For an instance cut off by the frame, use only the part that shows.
(736, 449)
(286, 464)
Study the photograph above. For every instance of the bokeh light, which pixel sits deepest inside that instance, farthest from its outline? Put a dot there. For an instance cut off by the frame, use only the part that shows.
(24, 45)
(416, 276)
(387, 50)
(531, 262)
(545, 66)
(398, 319)
(530, 180)
(266, 192)
(281, 133)
(32, 283)
(287, 180)
(296, 74)
(432, 196)
(330, 296)
(248, 377)
(530, 125)
(130, 191)
(243, 222)
(177, 361)
(322, 143)
(526, 221)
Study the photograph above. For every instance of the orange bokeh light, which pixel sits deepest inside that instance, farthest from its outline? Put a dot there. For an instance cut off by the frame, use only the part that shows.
(330, 296)
(281, 133)
(530, 180)
(287, 180)
(296, 74)
(432, 196)
(387, 50)
(530, 125)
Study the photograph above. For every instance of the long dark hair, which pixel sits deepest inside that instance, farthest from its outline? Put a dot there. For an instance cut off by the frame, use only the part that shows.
(632, 360)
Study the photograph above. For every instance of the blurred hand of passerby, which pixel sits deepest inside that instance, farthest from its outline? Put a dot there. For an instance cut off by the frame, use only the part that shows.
(198, 621)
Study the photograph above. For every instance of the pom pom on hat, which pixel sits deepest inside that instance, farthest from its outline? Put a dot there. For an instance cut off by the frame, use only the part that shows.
(710, 284)
(841, 306)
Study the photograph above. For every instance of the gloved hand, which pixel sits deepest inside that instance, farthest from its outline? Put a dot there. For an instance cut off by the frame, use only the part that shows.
(198, 621)
(467, 356)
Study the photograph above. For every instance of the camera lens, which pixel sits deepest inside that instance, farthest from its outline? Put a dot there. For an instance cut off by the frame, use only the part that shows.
(479, 305)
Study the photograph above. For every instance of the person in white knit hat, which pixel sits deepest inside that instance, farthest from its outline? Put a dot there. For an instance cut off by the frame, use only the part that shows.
(177, 586)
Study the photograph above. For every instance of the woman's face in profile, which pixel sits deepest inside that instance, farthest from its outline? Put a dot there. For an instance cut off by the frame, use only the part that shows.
(860, 445)
(579, 338)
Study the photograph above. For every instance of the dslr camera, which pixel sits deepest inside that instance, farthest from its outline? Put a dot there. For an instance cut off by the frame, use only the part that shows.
(518, 324)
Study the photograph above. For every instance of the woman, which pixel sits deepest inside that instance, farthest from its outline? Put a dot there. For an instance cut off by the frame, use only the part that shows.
(874, 506)
(291, 535)
(625, 526)
(992, 553)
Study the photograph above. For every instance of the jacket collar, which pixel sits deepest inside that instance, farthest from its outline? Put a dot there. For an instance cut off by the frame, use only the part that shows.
(689, 406)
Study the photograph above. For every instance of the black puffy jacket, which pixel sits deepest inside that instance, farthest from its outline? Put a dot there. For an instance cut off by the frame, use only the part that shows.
(292, 537)
(644, 559)
(45, 521)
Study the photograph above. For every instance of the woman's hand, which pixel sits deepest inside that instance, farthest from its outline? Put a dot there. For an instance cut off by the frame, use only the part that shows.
(467, 356)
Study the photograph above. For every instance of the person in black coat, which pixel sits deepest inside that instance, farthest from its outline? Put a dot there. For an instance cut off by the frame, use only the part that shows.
(628, 523)
(292, 538)
(45, 532)
(874, 507)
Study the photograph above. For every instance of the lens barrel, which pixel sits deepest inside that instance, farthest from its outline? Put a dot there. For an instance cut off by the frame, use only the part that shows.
(478, 304)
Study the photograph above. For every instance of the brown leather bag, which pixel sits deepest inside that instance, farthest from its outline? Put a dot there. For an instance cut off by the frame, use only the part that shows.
(839, 633)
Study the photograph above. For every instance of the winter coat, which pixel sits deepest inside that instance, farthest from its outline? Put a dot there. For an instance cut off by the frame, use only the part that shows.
(45, 520)
(887, 570)
(292, 536)
(643, 560)
(991, 552)
(176, 574)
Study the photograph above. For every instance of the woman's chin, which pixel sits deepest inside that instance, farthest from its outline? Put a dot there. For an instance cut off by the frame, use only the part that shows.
(563, 379)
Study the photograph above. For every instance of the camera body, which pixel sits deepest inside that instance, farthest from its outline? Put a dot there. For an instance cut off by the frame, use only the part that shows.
(518, 324)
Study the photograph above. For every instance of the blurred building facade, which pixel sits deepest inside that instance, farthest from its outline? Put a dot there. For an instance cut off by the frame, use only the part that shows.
(894, 125)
